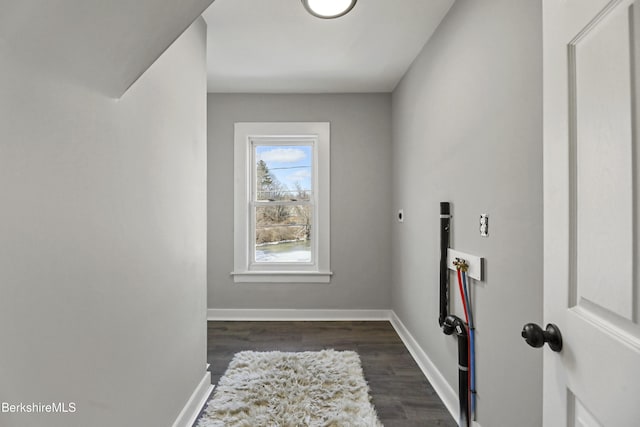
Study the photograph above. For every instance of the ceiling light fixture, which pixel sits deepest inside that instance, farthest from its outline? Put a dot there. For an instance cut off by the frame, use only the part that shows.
(328, 9)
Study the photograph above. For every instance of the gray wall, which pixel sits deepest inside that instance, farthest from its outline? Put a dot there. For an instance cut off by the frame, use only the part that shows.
(103, 253)
(467, 128)
(360, 200)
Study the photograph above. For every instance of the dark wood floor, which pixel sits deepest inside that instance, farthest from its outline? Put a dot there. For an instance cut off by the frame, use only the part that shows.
(401, 394)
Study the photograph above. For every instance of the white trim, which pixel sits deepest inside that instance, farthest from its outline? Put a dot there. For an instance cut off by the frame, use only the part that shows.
(436, 379)
(282, 277)
(310, 141)
(196, 402)
(297, 315)
(446, 393)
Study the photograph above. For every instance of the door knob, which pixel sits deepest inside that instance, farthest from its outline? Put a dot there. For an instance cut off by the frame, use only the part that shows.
(536, 337)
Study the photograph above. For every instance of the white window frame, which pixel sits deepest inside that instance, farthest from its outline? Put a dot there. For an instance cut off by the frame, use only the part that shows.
(247, 135)
(286, 141)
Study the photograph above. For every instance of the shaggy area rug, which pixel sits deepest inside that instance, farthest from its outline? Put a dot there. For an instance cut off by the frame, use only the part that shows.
(325, 388)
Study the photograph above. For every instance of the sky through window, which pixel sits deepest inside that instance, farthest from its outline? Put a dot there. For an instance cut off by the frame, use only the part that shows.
(291, 165)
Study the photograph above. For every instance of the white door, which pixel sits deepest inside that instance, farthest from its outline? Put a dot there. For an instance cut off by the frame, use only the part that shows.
(592, 211)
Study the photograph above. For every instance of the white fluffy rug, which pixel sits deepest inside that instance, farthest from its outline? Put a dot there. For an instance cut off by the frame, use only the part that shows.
(325, 388)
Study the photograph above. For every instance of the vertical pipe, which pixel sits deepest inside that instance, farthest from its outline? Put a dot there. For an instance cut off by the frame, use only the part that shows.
(463, 378)
(445, 218)
(453, 324)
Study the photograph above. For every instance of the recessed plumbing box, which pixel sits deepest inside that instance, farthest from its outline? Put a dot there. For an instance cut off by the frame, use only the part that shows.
(475, 263)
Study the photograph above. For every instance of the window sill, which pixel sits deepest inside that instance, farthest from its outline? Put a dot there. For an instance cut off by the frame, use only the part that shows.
(282, 277)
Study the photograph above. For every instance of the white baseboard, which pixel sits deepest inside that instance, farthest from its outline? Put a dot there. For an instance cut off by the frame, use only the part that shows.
(435, 377)
(438, 382)
(297, 315)
(196, 402)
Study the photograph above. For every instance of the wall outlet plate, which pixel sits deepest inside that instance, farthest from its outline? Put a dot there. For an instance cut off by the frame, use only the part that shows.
(476, 263)
(484, 225)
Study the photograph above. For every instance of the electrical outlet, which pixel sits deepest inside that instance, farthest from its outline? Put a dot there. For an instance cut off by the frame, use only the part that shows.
(484, 225)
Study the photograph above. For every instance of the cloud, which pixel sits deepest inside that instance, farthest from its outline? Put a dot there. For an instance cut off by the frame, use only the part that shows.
(282, 155)
(300, 176)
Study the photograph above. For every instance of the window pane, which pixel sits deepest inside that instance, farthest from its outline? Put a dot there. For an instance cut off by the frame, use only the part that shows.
(283, 172)
(283, 233)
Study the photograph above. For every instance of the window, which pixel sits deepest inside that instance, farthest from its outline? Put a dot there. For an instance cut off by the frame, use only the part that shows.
(282, 201)
(281, 225)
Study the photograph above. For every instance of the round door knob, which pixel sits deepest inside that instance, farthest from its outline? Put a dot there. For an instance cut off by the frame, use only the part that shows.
(536, 337)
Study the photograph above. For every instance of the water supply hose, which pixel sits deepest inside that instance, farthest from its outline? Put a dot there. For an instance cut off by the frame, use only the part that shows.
(462, 267)
(472, 350)
(462, 294)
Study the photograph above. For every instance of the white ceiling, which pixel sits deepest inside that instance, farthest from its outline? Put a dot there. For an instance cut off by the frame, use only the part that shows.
(275, 46)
